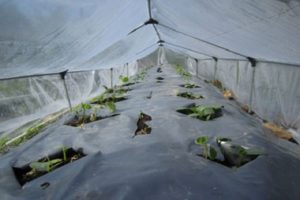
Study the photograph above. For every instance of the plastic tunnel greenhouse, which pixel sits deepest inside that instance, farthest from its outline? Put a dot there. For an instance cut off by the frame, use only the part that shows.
(150, 99)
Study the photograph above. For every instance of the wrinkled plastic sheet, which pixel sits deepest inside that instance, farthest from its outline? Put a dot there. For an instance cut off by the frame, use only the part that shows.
(27, 99)
(161, 165)
(276, 94)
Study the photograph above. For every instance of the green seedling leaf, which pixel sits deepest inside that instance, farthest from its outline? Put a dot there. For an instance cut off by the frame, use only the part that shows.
(123, 79)
(201, 140)
(64, 151)
(86, 106)
(111, 106)
(241, 150)
(193, 115)
(212, 153)
(254, 151)
(45, 166)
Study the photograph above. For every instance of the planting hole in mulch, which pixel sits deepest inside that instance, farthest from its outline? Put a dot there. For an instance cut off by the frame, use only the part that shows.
(128, 84)
(45, 185)
(237, 163)
(46, 165)
(189, 95)
(79, 121)
(159, 81)
(109, 99)
(189, 85)
(142, 127)
(159, 70)
(202, 112)
(224, 152)
(150, 95)
(160, 78)
(117, 90)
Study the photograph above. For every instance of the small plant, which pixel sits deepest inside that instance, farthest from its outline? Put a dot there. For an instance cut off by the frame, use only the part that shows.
(107, 101)
(140, 76)
(3, 146)
(29, 133)
(237, 155)
(202, 112)
(81, 112)
(189, 95)
(190, 85)
(64, 151)
(205, 112)
(123, 79)
(111, 106)
(180, 70)
(108, 90)
(234, 155)
(46, 166)
(208, 151)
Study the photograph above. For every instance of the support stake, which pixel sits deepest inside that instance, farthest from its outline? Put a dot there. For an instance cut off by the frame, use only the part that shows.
(111, 78)
(62, 76)
(197, 67)
(237, 75)
(127, 70)
(215, 67)
(251, 89)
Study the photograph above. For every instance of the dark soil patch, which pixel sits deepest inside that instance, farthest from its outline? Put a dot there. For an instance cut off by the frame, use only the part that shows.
(159, 70)
(128, 84)
(118, 90)
(189, 86)
(150, 95)
(226, 163)
(189, 95)
(160, 78)
(28, 173)
(142, 127)
(204, 113)
(78, 121)
(109, 99)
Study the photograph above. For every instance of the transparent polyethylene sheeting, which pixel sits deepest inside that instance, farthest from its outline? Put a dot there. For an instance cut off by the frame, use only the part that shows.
(263, 29)
(39, 37)
(276, 94)
(26, 99)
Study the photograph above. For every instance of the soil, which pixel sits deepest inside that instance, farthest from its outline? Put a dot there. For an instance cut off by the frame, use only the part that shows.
(189, 86)
(127, 84)
(189, 95)
(228, 164)
(142, 127)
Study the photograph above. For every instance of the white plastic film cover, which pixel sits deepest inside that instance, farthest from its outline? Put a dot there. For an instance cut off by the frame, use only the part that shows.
(276, 93)
(47, 36)
(263, 29)
(26, 99)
